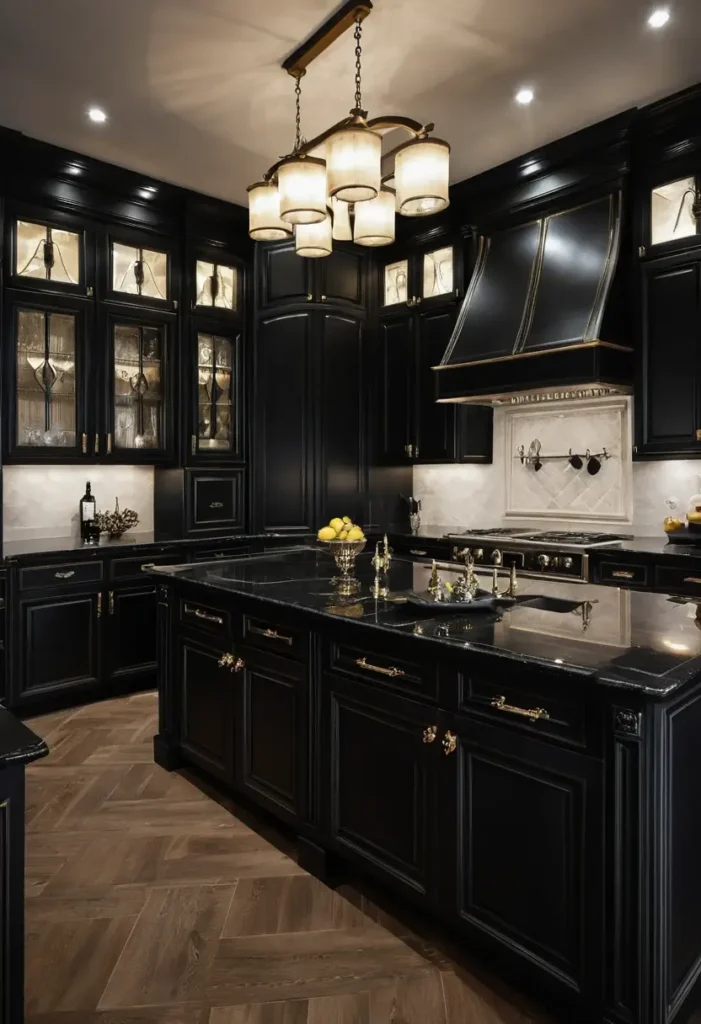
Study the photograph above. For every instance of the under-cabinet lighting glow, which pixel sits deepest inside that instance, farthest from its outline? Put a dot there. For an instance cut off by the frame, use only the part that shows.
(524, 96)
(674, 646)
(659, 17)
(97, 115)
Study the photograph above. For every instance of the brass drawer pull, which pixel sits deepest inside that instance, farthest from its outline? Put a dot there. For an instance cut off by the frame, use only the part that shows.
(148, 565)
(392, 672)
(207, 616)
(96, 445)
(692, 579)
(109, 444)
(111, 602)
(272, 634)
(84, 444)
(193, 444)
(450, 743)
(216, 504)
(230, 661)
(532, 713)
(623, 574)
(430, 733)
(64, 575)
(415, 551)
(99, 605)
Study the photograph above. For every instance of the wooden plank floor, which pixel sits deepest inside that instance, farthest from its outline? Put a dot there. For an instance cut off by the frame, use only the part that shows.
(150, 903)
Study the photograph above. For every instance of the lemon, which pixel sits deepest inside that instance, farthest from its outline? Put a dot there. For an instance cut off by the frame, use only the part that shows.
(343, 535)
(356, 534)
(326, 533)
(336, 525)
(347, 520)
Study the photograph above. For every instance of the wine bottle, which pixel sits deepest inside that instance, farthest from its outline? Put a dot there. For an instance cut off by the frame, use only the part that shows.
(86, 513)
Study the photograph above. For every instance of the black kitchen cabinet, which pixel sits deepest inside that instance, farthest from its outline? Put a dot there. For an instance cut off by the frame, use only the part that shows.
(421, 273)
(131, 641)
(58, 648)
(273, 701)
(378, 760)
(215, 284)
(215, 385)
(668, 408)
(138, 269)
(309, 427)
(412, 425)
(207, 684)
(522, 820)
(49, 251)
(285, 279)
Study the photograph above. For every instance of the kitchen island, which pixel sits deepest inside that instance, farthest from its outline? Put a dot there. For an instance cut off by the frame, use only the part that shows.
(527, 774)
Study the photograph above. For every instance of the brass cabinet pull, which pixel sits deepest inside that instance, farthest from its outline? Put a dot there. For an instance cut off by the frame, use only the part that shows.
(109, 444)
(430, 733)
(309, 297)
(99, 605)
(272, 634)
(392, 672)
(698, 435)
(450, 743)
(148, 565)
(84, 443)
(692, 579)
(231, 662)
(64, 575)
(533, 713)
(623, 574)
(415, 551)
(111, 602)
(96, 444)
(193, 444)
(199, 614)
(323, 298)
(216, 504)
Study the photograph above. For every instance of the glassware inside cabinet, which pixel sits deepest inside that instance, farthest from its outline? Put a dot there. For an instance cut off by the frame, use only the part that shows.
(217, 285)
(139, 271)
(47, 254)
(672, 213)
(214, 382)
(438, 272)
(46, 379)
(396, 282)
(138, 386)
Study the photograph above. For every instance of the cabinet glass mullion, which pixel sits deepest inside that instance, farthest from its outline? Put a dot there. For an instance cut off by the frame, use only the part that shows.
(216, 379)
(138, 386)
(46, 392)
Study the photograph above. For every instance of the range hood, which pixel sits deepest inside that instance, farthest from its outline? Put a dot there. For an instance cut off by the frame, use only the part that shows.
(528, 329)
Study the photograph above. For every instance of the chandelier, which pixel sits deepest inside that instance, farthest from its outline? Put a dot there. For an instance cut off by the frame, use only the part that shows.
(332, 186)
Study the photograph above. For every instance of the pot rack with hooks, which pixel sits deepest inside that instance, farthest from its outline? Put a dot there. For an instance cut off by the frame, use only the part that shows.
(533, 457)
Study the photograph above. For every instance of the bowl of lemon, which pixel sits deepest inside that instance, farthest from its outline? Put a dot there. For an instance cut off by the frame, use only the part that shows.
(345, 541)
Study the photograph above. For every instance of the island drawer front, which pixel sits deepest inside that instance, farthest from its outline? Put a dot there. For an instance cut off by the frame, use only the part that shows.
(623, 574)
(676, 580)
(63, 574)
(197, 615)
(129, 568)
(528, 707)
(393, 670)
(267, 635)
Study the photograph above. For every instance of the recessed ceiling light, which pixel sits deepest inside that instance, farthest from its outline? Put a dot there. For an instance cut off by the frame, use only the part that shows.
(97, 115)
(659, 17)
(74, 169)
(524, 96)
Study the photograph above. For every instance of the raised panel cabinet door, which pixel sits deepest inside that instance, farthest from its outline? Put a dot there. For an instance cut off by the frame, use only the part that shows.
(131, 613)
(59, 643)
(522, 822)
(273, 743)
(342, 433)
(380, 771)
(207, 706)
(284, 430)
(342, 278)
(434, 429)
(12, 895)
(284, 278)
(395, 371)
(671, 368)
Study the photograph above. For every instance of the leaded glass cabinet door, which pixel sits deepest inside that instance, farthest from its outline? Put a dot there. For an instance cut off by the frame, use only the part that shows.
(675, 213)
(46, 411)
(218, 420)
(140, 429)
(48, 254)
(217, 288)
(139, 271)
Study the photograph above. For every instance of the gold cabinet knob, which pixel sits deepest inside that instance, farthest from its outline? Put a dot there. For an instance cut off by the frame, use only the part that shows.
(231, 662)
(450, 743)
(430, 733)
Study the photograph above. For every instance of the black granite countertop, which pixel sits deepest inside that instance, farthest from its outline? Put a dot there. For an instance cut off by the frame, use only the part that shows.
(18, 744)
(636, 640)
(127, 543)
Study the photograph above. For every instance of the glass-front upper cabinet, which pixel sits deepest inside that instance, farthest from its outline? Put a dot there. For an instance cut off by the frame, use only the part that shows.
(139, 418)
(675, 213)
(46, 364)
(396, 283)
(218, 422)
(217, 287)
(429, 274)
(48, 254)
(139, 271)
(437, 273)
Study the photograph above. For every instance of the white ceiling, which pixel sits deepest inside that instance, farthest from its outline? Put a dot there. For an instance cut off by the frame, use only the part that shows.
(196, 96)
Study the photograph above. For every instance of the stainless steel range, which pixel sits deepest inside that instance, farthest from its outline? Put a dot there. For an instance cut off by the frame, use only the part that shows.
(556, 554)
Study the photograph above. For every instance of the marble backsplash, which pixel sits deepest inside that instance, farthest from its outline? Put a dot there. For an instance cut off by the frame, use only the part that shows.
(42, 501)
(623, 496)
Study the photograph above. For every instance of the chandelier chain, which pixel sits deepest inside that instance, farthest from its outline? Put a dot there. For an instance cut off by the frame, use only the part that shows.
(358, 54)
(298, 116)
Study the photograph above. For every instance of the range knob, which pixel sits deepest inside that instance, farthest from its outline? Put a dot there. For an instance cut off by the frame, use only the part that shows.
(567, 563)
(544, 561)
(478, 554)
(462, 554)
(496, 557)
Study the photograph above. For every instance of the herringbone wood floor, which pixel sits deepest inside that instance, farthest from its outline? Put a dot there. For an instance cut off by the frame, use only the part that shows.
(150, 903)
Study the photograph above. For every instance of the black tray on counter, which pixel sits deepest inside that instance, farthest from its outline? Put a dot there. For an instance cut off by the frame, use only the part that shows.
(687, 535)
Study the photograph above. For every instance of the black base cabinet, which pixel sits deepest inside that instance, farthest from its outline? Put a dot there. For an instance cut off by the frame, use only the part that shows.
(207, 700)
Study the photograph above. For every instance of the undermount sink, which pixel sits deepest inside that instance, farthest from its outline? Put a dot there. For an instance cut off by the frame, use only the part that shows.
(549, 604)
